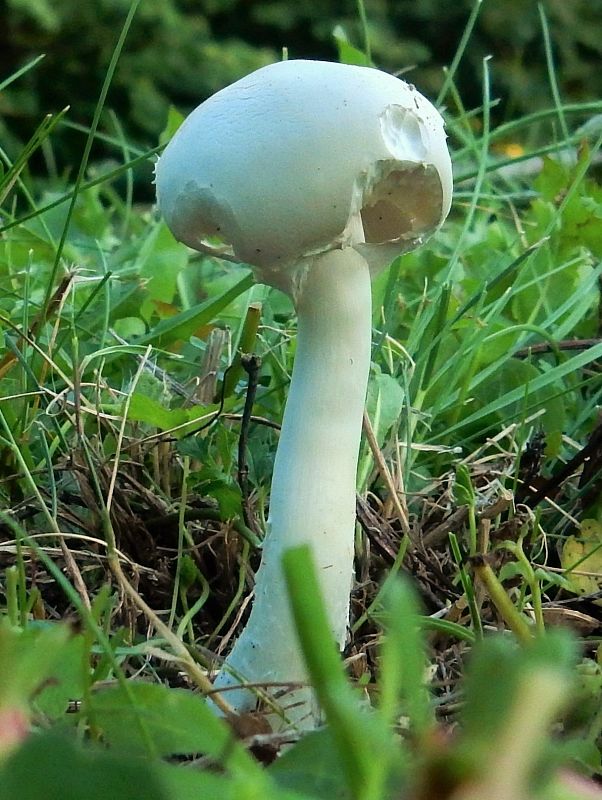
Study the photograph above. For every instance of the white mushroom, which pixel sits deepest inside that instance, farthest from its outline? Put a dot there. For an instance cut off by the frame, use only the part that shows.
(317, 175)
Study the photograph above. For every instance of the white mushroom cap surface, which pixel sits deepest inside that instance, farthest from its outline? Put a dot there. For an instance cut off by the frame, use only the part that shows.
(284, 164)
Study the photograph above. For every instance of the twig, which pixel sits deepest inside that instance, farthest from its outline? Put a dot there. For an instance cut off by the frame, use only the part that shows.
(251, 364)
(550, 347)
(533, 497)
(385, 474)
(200, 515)
(439, 533)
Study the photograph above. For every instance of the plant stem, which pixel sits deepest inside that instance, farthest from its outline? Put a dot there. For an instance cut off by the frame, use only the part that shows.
(501, 601)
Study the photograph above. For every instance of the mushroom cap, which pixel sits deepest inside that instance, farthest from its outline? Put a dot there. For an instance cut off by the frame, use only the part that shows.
(285, 163)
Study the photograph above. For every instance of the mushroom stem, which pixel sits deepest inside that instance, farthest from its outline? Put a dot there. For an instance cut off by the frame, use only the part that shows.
(313, 485)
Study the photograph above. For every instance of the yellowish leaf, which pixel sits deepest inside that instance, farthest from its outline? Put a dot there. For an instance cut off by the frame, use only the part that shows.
(582, 558)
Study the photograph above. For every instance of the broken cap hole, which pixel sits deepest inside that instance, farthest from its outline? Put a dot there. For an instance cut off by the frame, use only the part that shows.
(404, 201)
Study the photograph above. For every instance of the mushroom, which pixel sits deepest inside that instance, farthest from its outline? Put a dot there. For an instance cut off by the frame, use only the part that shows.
(317, 175)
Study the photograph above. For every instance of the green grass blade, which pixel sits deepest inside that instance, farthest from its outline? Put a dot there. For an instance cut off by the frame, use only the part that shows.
(358, 735)
(571, 366)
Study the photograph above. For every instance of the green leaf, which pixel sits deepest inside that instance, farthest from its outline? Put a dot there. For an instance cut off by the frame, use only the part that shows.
(182, 326)
(67, 681)
(192, 784)
(522, 375)
(174, 119)
(348, 54)
(313, 766)
(552, 578)
(160, 261)
(553, 178)
(384, 403)
(50, 766)
(511, 569)
(402, 689)
(129, 327)
(464, 492)
(149, 411)
(583, 553)
(29, 658)
(510, 399)
(145, 409)
(177, 722)
(497, 671)
(227, 493)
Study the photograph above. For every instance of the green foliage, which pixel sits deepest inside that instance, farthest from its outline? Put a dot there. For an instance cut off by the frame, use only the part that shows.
(155, 720)
(357, 755)
(173, 54)
(181, 53)
(50, 765)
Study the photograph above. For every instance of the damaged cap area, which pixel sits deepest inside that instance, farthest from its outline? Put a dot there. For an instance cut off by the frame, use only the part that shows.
(404, 205)
(198, 214)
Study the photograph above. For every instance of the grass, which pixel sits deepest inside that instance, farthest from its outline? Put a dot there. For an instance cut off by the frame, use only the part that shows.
(122, 408)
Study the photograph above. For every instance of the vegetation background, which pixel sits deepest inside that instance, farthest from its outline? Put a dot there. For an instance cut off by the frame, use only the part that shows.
(181, 51)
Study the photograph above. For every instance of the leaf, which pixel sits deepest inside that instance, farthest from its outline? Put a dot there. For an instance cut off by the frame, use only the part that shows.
(551, 578)
(511, 569)
(384, 403)
(50, 766)
(28, 659)
(583, 553)
(153, 412)
(464, 493)
(182, 326)
(67, 679)
(193, 784)
(129, 327)
(174, 721)
(505, 399)
(553, 178)
(223, 490)
(146, 409)
(364, 742)
(160, 261)
(348, 54)
(174, 119)
(497, 671)
(313, 766)
(523, 375)
(402, 688)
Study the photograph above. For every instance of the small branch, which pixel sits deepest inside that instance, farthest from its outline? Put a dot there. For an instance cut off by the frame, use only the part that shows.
(385, 474)
(549, 347)
(251, 364)
(533, 497)
(200, 515)
(267, 423)
(439, 533)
